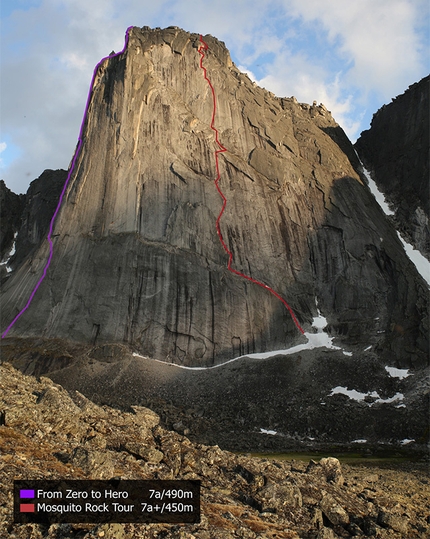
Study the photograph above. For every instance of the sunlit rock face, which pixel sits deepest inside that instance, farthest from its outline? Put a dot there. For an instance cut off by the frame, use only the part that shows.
(396, 150)
(137, 258)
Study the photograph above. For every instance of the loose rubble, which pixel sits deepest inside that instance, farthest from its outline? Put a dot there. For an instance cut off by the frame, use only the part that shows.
(46, 432)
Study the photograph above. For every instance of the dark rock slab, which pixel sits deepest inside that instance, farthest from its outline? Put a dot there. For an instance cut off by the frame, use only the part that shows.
(11, 206)
(396, 151)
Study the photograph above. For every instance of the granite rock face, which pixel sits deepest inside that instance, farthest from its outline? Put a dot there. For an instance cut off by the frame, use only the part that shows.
(396, 150)
(137, 258)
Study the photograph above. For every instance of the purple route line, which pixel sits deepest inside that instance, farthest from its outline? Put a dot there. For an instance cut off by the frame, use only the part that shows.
(66, 183)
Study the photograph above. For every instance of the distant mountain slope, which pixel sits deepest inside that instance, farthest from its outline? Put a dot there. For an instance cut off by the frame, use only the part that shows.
(396, 151)
(41, 200)
(11, 206)
(28, 216)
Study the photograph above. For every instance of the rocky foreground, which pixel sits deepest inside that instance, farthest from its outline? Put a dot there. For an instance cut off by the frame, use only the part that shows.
(48, 433)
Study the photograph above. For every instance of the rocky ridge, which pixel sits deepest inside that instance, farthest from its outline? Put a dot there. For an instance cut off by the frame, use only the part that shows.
(138, 260)
(46, 432)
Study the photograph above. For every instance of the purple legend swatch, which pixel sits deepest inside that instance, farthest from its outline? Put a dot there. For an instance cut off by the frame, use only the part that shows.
(26, 493)
(60, 200)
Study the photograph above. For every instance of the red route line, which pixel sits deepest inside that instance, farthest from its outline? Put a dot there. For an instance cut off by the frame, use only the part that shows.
(204, 47)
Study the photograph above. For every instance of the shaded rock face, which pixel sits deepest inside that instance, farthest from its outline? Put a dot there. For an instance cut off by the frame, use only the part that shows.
(137, 258)
(396, 150)
(11, 206)
(41, 201)
(25, 219)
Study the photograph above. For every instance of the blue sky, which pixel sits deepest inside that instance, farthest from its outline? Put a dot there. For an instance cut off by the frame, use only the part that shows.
(352, 56)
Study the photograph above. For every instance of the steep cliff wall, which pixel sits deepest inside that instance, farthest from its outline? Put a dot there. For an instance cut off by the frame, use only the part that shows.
(11, 206)
(396, 150)
(41, 200)
(25, 218)
(137, 258)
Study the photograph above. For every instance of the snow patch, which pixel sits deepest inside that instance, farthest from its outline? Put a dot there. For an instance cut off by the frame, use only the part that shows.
(359, 441)
(272, 432)
(352, 393)
(368, 348)
(406, 441)
(318, 339)
(360, 397)
(319, 322)
(10, 254)
(419, 261)
(397, 397)
(398, 373)
(380, 198)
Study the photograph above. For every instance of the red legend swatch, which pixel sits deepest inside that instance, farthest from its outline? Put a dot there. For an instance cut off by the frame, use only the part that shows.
(26, 507)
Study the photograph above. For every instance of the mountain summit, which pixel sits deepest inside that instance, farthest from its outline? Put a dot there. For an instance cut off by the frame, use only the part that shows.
(137, 256)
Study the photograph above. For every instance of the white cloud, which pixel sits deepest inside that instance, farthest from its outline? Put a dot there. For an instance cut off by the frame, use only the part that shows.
(73, 60)
(3, 147)
(308, 82)
(351, 57)
(379, 37)
(248, 72)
